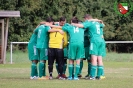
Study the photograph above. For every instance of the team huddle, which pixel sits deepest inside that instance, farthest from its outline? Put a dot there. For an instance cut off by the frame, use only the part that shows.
(59, 41)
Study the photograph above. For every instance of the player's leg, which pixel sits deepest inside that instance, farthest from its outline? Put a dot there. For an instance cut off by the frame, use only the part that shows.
(33, 56)
(81, 67)
(34, 72)
(89, 69)
(100, 67)
(60, 61)
(65, 61)
(64, 68)
(100, 70)
(70, 69)
(79, 54)
(71, 57)
(77, 67)
(88, 58)
(93, 52)
(42, 64)
(51, 56)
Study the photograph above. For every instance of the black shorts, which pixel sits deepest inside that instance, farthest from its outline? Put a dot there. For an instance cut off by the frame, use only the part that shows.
(55, 53)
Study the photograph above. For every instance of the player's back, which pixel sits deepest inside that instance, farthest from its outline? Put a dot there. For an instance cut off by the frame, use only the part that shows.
(33, 40)
(76, 34)
(42, 37)
(94, 32)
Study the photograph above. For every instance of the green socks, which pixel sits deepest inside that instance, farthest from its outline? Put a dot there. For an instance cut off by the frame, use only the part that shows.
(89, 68)
(42, 69)
(70, 69)
(77, 67)
(81, 66)
(99, 71)
(93, 71)
(64, 68)
(34, 70)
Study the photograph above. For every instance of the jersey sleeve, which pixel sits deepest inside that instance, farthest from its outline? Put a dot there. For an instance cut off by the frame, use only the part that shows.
(86, 24)
(65, 27)
(36, 31)
(48, 28)
(101, 25)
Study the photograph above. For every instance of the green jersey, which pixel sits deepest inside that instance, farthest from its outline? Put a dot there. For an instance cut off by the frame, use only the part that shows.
(93, 31)
(76, 34)
(33, 39)
(101, 28)
(42, 36)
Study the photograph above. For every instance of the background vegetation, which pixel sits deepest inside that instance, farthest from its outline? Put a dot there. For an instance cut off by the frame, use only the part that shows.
(118, 28)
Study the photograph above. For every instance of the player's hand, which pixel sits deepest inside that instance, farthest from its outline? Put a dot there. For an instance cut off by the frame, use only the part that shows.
(61, 32)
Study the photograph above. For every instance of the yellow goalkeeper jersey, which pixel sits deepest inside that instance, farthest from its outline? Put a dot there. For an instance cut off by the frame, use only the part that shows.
(57, 40)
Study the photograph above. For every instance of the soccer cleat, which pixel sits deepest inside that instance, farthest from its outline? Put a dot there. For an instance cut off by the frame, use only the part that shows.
(75, 78)
(44, 78)
(34, 77)
(79, 75)
(61, 78)
(50, 77)
(100, 78)
(64, 76)
(92, 78)
(69, 78)
(87, 76)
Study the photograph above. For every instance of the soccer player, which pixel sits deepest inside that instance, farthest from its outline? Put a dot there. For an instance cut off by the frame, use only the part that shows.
(55, 51)
(42, 46)
(100, 69)
(61, 22)
(96, 43)
(33, 56)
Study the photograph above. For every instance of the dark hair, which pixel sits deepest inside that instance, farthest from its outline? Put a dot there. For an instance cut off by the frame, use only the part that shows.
(49, 19)
(62, 19)
(74, 20)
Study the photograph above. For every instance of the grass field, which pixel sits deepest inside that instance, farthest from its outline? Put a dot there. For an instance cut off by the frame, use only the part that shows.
(118, 72)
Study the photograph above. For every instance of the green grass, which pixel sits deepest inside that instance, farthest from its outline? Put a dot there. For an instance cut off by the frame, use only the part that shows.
(118, 71)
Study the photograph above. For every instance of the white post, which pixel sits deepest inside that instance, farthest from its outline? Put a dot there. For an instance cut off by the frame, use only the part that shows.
(11, 53)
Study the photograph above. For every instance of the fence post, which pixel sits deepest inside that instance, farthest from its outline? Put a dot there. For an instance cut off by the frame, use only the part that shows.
(11, 53)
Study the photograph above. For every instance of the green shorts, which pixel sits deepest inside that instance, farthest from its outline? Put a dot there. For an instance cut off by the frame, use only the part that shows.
(32, 52)
(76, 51)
(97, 48)
(65, 52)
(42, 53)
(87, 55)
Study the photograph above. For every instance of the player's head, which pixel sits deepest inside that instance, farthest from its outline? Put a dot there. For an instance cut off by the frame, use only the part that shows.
(50, 20)
(74, 20)
(62, 21)
(87, 17)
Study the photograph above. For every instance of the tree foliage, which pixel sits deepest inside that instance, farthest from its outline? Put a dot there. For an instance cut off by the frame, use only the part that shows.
(118, 28)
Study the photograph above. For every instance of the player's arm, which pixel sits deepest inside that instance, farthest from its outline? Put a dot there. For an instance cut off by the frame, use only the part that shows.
(43, 22)
(94, 20)
(60, 31)
(56, 22)
(102, 23)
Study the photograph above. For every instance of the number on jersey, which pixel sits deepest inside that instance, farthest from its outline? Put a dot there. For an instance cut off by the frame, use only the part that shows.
(76, 29)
